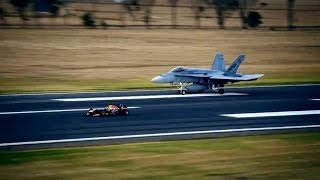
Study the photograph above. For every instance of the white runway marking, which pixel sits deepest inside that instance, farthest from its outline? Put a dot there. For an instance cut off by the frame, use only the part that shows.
(156, 135)
(272, 114)
(146, 97)
(315, 99)
(50, 111)
(271, 86)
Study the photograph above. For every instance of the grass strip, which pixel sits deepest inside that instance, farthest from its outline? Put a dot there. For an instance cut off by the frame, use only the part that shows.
(281, 156)
(29, 85)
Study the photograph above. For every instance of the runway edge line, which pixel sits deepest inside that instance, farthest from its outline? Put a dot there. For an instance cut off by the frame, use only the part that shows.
(157, 135)
(146, 97)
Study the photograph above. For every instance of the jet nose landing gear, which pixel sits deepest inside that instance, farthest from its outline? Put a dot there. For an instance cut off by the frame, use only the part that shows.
(182, 88)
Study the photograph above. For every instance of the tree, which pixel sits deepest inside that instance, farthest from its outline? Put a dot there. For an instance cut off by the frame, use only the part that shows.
(173, 12)
(195, 5)
(254, 19)
(88, 19)
(243, 13)
(223, 5)
(21, 6)
(128, 6)
(55, 6)
(291, 4)
(2, 14)
(147, 8)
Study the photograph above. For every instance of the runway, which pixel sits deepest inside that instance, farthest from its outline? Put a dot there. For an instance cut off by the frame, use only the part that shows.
(56, 120)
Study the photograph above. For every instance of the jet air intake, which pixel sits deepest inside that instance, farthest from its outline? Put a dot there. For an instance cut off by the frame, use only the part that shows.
(197, 87)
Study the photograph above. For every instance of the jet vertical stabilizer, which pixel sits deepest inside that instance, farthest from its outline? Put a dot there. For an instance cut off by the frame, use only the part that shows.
(218, 63)
(233, 68)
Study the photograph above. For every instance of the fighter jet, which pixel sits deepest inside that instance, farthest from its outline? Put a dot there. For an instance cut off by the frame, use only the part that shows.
(199, 79)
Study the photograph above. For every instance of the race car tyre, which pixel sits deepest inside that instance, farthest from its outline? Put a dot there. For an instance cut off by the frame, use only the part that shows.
(183, 92)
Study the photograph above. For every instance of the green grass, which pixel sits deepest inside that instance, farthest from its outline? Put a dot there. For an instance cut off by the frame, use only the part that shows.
(25, 85)
(28, 85)
(283, 156)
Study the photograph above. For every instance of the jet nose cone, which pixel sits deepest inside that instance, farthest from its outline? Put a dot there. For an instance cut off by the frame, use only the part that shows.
(157, 79)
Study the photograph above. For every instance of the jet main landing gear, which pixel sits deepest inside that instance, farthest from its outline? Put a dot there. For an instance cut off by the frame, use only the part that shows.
(219, 88)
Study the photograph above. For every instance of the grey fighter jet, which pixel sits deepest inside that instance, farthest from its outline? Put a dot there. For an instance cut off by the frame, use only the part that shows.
(199, 79)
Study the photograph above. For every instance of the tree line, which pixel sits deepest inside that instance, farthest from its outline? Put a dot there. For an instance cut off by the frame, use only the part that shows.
(248, 17)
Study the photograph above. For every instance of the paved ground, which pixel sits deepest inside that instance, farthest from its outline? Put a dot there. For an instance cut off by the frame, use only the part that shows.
(54, 120)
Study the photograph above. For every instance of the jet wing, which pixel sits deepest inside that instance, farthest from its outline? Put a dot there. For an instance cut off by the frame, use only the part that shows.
(248, 77)
(198, 75)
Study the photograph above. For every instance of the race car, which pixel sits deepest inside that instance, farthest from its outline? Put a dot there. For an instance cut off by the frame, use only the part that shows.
(110, 110)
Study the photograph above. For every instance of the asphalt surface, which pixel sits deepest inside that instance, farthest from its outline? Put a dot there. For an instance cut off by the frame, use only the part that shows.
(24, 125)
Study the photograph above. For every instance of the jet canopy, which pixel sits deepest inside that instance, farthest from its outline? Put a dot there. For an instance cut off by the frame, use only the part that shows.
(178, 69)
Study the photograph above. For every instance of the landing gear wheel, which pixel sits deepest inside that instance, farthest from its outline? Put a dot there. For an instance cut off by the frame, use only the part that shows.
(219, 88)
(221, 91)
(181, 88)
